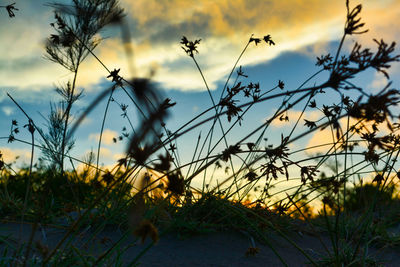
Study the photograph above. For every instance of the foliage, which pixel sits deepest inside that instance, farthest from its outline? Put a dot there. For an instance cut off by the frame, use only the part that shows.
(150, 191)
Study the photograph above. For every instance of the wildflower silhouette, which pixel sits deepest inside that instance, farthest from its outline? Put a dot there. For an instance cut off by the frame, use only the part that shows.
(165, 163)
(271, 168)
(1, 161)
(231, 150)
(176, 183)
(108, 177)
(251, 176)
(10, 9)
(268, 40)
(190, 46)
(310, 124)
(114, 75)
(353, 23)
(308, 173)
(378, 178)
(30, 127)
(241, 73)
(172, 148)
(76, 27)
(255, 40)
(281, 84)
(13, 130)
(324, 61)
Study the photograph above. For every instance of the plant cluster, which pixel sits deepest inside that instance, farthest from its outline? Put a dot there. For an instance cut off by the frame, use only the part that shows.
(151, 190)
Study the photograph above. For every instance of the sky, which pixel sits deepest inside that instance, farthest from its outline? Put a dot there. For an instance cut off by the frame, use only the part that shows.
(302, 30)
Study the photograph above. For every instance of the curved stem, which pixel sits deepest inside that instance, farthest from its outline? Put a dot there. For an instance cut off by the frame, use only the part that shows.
(102, 128)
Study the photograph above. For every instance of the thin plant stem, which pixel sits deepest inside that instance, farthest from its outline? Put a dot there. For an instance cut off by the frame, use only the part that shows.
(102, 128)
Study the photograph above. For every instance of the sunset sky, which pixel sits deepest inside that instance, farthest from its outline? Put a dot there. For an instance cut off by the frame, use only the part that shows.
(302, 30)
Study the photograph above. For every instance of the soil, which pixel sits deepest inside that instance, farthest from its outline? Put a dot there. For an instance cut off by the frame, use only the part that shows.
(210, 249)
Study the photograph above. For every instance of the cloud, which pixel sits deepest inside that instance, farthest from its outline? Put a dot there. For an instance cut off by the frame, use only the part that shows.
(109, 156)
(380, 81)
(23, 65)
(107, 137)
(326, 137)
(8, 110)
(228, 18)
(157, 27)
(321, 140)
(225, 26)
(9, 155)
(108, 159)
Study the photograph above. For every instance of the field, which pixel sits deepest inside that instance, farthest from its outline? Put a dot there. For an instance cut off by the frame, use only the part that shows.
(215, 190)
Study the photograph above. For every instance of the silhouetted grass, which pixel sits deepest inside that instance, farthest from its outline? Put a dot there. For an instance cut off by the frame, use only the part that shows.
(151, 192)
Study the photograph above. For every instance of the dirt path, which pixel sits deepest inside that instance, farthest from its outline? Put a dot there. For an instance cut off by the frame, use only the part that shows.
(212, 249)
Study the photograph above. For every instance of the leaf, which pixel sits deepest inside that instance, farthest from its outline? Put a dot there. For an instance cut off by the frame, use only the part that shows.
(268, 40)
(310, 124)
(255, 40)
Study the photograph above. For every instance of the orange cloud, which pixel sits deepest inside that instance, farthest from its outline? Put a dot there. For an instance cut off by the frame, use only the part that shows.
(10, 155)
(224, 26)
(326, 138)
(226, 17)
(107, 137)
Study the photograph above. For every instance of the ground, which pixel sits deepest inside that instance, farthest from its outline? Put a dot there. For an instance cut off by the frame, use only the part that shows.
(223, 248)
